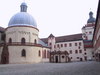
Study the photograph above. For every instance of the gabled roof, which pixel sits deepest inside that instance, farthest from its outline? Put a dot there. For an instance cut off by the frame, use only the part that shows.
(66, 38)
(51, 35)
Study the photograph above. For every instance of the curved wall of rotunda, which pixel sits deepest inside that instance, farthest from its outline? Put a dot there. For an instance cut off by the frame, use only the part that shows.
(15, 34)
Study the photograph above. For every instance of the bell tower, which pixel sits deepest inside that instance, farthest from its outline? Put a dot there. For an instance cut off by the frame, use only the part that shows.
(51, 42)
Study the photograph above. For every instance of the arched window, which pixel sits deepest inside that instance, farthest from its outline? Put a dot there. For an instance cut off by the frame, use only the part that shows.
(10, 40)
(61, 45)
(58, 45)
(65, 45)
(39, 54)
(35, 41)
(23, 53)
(23, 40)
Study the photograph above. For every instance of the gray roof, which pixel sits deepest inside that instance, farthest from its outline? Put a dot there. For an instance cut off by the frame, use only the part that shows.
(42, 43)
(22, 18)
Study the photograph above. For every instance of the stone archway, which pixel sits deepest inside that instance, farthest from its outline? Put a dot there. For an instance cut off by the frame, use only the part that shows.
(5, 55)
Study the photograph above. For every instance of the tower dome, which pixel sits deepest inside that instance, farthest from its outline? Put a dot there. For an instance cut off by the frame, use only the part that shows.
(22, 18)
(91, 18)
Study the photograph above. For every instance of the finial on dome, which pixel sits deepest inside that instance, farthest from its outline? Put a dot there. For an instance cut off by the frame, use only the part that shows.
(23, 7)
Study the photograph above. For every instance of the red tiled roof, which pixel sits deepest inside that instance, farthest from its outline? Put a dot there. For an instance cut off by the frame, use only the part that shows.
(67, 38)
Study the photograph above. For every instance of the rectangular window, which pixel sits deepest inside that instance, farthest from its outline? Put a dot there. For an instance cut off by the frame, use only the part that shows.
(75, 44)
(65, 45)
(58, 45)
(70, 44)
(80, 51)
(76, 51)
(80, 44)
(90, 32)
(61, 45)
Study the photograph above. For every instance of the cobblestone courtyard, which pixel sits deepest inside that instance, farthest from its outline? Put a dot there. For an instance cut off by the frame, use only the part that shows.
(75, 68)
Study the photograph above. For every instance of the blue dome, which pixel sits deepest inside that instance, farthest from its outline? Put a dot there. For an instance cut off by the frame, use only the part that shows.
(91, 18)
(22, 18)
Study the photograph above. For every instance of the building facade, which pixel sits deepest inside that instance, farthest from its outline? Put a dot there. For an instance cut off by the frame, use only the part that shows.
(96, 37)
(21, 43)
(77, 47)
(88, 31)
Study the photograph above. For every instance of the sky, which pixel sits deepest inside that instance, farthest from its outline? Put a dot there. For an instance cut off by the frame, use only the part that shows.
(59, 17)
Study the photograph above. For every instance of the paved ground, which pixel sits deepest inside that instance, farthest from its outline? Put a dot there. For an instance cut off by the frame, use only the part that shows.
(76, 68)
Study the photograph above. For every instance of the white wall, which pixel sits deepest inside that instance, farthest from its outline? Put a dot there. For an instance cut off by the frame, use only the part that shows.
(89, 54)
(31, 54)
(73, 48)
(16, 33)
(86, 31)
(52, 41)
(30, 34)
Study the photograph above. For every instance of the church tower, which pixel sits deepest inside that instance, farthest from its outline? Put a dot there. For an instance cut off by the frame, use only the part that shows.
(51, 42)
(87, 35)
(88, 29)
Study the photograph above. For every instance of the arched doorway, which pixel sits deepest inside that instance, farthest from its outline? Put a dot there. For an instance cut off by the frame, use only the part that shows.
(81, 59)
(56, 59)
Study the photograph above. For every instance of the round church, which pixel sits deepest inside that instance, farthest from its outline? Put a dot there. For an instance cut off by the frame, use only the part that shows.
(21, 43)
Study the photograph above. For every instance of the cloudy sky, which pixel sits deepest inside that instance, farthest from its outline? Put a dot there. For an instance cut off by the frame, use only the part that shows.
(59, 17)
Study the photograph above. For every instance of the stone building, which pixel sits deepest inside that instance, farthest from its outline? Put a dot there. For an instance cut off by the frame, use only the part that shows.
(20, 42)
(76, 47)
(88, 31)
